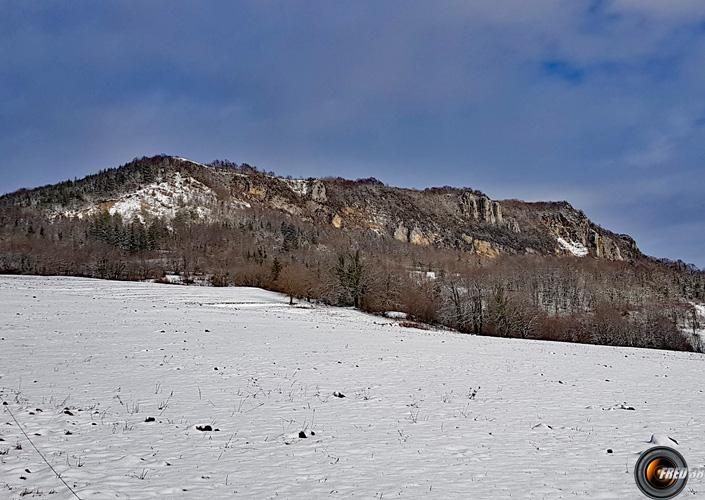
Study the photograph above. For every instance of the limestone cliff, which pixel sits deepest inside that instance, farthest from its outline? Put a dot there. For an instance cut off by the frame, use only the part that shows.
(446, 217)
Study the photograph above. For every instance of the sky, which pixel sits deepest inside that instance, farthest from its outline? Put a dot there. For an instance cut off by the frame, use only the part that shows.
(597, 102)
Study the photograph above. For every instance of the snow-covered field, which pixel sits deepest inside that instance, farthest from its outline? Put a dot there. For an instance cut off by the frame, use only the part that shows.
(84, 364)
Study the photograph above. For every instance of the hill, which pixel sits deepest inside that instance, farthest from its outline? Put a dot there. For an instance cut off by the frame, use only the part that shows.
(445, 255)
(445, 217)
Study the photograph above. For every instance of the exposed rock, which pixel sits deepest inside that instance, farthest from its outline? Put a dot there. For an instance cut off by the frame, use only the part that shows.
(318, 191)
(485, 248)
(257, 192)
(485, 209)
(283, 204)
(480, 208)
(446, 217)
(417, 237)
(496, 213)
(468, 205)
(594, 242)
(573, 230)
(401, 233)
(512, 225)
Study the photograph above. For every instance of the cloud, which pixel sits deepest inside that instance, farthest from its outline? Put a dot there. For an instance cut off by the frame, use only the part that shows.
(564, 71)
(559, 99)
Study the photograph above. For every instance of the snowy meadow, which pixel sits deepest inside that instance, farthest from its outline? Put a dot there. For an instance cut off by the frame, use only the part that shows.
(142, 390)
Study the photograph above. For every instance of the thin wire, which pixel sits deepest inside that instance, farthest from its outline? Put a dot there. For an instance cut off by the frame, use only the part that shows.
(40, 453)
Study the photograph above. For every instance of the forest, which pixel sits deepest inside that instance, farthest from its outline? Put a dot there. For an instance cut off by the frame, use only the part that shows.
(641, 303)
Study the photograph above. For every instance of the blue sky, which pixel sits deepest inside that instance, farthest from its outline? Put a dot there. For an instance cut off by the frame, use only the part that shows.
(601, 103)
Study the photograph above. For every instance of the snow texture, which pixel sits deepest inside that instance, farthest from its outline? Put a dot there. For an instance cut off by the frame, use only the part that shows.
(424, 275)
(700, 313)
(191, 161)
(158, 199)
(298, 186)
(574, 247)
(396, 315)
(142, 390)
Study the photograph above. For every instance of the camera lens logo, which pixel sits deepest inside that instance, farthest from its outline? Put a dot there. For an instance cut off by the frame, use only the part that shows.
(661, 472)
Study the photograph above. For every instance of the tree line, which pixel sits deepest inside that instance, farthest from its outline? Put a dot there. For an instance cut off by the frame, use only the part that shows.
(642, 303)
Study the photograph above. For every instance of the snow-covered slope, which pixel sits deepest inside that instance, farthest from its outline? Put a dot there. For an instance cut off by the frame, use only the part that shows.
(158, 199)
(574, 247)
(86, 365)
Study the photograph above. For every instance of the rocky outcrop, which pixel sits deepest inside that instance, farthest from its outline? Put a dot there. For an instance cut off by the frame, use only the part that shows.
(486, 248)
(414, 236)
(571, 232)
(417, 237)
(318, 191)
(401, 233)
(480, 208)
(462, 219)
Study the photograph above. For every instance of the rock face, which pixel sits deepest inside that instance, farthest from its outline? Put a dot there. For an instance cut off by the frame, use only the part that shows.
(318, 192)
(401, 233)
(486, 248)
(417, 237)
(481, 208)
(573, 232)
(463, 219)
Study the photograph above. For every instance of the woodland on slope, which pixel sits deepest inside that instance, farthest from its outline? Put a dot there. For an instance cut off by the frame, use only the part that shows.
(499, 276)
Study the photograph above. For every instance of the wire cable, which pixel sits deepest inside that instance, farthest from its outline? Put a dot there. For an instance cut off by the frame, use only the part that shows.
(40, 453)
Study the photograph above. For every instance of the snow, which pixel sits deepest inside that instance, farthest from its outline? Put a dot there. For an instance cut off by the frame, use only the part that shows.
(191, 161)
(574, 247)
(298, 186)
(699, 332)
(396, 315)
(424, 275)
(700, 308)
(165, 198)
(174, 279)
(158, 199)
(387, 411)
